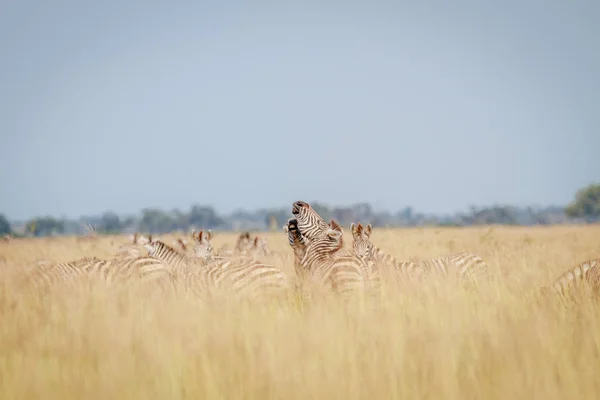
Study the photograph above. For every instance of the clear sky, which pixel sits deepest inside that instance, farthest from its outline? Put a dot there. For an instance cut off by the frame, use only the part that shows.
(121, 105)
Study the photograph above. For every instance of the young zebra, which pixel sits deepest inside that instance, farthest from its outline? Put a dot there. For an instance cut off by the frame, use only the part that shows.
(243, 276)
(584, 276)
(464, 266)
(384, 266)
(321, 266)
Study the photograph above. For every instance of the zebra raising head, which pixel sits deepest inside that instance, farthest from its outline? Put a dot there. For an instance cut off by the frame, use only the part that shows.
(202, 246)
(310, 223)
(361, 240)
(295, 238)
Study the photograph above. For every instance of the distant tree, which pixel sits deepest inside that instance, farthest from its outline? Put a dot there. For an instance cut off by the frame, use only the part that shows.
(204, 217)
(155, 221)
(586, 203)
(280, 217)
(4, 226)
(45, 226)
(110, 223)
(495, 215)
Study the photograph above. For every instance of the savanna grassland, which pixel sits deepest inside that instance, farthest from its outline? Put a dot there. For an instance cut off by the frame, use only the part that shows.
(505, 342)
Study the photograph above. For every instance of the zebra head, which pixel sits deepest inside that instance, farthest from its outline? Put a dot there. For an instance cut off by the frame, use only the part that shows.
(298, 243)
(259, 245)
(243, 243)
(295, 238)
(202, 246)
(361, 240)
(153, 247)
(331, 241)
(310, 223)
(181, 244)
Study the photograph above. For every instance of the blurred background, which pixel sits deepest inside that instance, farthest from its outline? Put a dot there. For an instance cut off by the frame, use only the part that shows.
(128, 116)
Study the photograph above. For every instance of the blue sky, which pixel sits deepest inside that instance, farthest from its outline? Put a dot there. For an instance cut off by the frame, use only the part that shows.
(119, 106)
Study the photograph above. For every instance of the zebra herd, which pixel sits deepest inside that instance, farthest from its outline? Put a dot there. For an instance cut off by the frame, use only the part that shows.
(320, 262)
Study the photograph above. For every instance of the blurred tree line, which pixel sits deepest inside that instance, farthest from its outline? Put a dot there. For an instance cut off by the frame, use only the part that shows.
(585, 208)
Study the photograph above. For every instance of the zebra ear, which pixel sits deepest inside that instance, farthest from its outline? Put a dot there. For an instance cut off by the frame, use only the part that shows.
(193, 234)
(354, 229)
(369, 230)
(335, 226)
(208, 235)
(255, 241)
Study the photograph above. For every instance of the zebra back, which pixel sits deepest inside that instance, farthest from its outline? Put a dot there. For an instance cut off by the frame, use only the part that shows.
(585, 275)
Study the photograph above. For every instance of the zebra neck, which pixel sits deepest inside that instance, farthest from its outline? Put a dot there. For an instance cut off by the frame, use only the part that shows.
(312, 257)
(169, 255)
(299, 253)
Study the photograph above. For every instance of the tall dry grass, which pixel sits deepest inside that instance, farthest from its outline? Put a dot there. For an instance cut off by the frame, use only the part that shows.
(425, 342)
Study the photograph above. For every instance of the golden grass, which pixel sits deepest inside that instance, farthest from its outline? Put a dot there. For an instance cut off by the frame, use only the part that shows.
(442, 343)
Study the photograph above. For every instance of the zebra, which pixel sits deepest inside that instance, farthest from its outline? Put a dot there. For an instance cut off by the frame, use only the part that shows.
(466, 266)
(259, 246)
(398, 271)
(127, 251)
(243, 243)
(179, 264)
(585, 275)
(147, 271)
(204, 250)
(298, 244)
(182, 244)
(246, 245)
(243, 246)
(202, 247)
(47, 274)
(321, 266)
(311, 225)
(244, 276)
